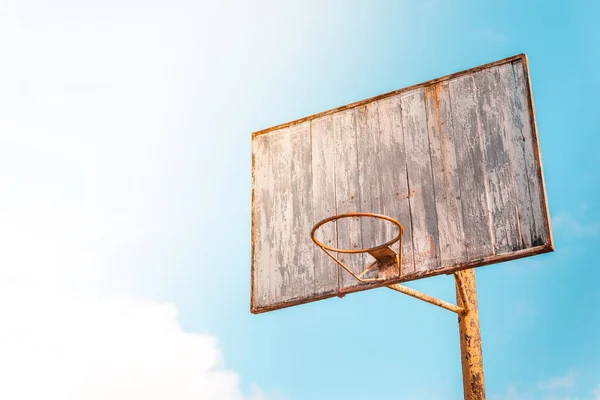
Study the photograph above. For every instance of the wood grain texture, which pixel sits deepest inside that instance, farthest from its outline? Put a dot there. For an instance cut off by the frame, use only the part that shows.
(394, 179)
(280, 218)
(516, 152)
(302, 272)
(532, 167)
(493, 96)
(347, 192)
(471, 168)
(262, 210)
(326, 271)
(453, 249)
(420, 182)
(456, 160)
(535, 142)
(369, 180)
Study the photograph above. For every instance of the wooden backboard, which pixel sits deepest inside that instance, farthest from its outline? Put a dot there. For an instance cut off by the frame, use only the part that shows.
(456, 160)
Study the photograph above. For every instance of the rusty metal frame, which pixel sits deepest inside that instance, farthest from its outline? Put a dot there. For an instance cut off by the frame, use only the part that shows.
(437, 302)
(379, 262)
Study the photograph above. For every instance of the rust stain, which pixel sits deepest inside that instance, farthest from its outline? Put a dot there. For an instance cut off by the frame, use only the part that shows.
(431, 245)
(432, 95)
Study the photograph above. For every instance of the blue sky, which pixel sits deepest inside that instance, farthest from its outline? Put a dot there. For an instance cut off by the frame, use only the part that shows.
(125, 201)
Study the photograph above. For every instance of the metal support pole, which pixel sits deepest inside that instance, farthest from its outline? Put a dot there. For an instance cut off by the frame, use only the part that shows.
(470, 335)
(468, 325)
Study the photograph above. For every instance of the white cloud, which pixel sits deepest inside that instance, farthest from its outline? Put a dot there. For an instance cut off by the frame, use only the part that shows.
(558, 388)
(561, 398)
(564, 221)
(512, 393)
(561, 382)
(65, 337)
(83, 187)
(57, 346)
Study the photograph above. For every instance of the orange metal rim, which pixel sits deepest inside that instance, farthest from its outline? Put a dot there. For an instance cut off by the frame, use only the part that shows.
(352, 215)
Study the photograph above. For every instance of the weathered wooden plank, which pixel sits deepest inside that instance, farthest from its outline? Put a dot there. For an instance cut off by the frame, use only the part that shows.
(516, 152)
(394, 179)
(493, 95)
(261, 211)
(281, 217)
(369, 179)
(420, 181)
(347, 192)
(532, 166)
(302, 272)
(326, 271)
(445, 175)
(471, 168)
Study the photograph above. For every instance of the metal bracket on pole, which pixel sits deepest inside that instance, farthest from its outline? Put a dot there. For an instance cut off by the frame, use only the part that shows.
(462, 292)
(437, 302)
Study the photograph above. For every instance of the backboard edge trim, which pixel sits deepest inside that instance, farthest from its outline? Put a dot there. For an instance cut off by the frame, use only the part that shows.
(522, 57)
(537, 151)
(546, 248)
(252, 233)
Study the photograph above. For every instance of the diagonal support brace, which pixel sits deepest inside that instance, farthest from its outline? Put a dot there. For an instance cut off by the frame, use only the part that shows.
(432, 300)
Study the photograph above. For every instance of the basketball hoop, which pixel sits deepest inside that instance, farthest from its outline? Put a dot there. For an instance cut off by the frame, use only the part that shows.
(385, 256)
